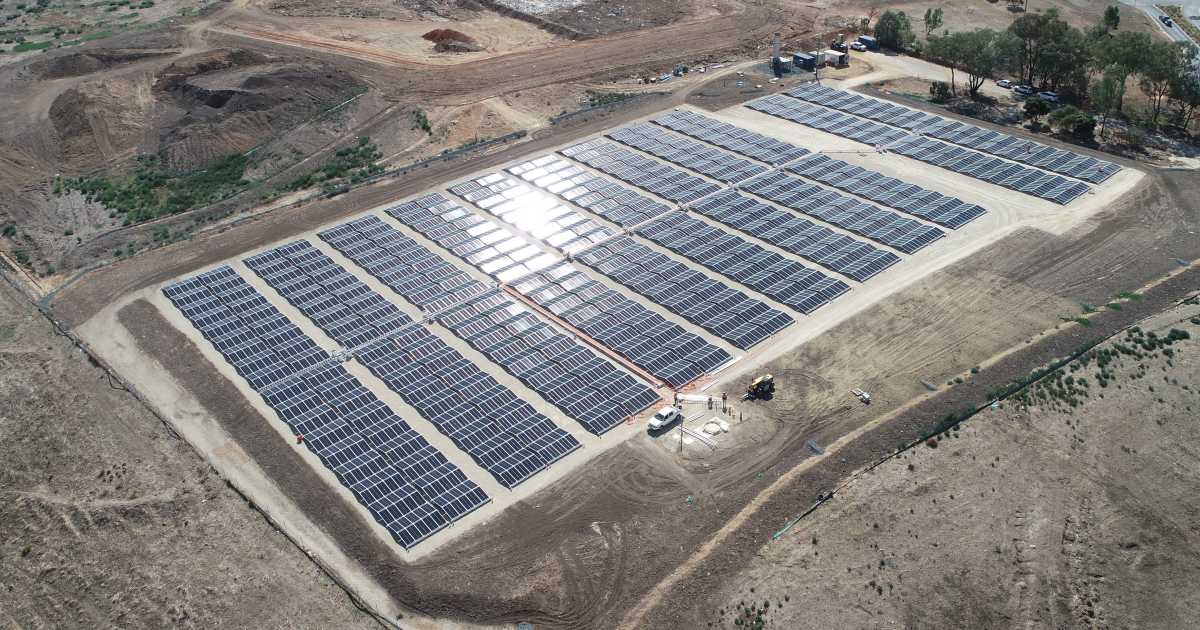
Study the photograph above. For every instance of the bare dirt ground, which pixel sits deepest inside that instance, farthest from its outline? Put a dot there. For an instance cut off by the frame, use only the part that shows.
(1072, 512)
(110, 520)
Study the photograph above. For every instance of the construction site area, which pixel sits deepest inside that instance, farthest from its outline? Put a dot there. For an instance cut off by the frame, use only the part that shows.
(556, 314)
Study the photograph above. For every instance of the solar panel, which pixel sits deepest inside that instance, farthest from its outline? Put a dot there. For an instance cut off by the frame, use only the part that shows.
(986, 140)
(725, 135)
(884, 137)
(598, 195)
(500, 328)
(773, 275)
(643, 172)
(848, 256)
(533, 212)
(904, 234)
(342, 422)
(932, 206)
(699, 157)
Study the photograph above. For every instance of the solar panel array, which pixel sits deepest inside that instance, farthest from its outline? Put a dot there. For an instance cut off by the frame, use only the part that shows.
(996, 143)
(350, 312)
(845, 125)
(257, 340)
(404, 265)
(596, 194)
(697, 156)
(504, 331)
(490, 247)
(930, 205)
(409, 487)
(640, 171)
(658, 346)
(783, 280)
(587, 306)
(786, 281)
(714, 306)
(501, 432)
(1021, 178)
(883, 226)
(843, 254)
(992, 169)
(722, 134)
(533, 211)
(710, 304)
(581, 384)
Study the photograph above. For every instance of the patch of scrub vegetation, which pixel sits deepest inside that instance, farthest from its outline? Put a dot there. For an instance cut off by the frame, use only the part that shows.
(421, 121)
(1062, 390)
(596, 99)
(350, 165)
(150, 191)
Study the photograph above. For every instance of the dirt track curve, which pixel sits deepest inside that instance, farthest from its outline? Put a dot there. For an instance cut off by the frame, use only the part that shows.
(605, 56)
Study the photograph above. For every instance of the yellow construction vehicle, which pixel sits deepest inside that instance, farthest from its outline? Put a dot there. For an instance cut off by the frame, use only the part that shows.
(761, 387)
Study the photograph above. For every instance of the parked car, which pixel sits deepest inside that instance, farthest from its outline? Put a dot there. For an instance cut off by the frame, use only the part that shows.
(1049, 97)
(664, 418)
(1005, 83)
(859, 46)
(1024, 90)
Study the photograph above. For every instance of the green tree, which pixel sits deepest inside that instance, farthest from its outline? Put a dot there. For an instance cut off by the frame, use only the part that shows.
(1063, 64)
(933, 20)
(1112, 18)
(1167, 62)
(1035, 108)
(1185, 94)
(1034, 33)
(894, 30)
(945, 50)
(1108, 93)
(1119, 57)
(1074, 122)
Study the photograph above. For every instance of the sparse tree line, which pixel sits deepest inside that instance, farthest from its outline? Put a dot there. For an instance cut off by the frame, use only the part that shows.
(1090, 68)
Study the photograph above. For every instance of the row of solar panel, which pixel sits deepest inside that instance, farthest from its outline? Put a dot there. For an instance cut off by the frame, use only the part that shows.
(848, 256)
(930, 205)
(503, 434)
(710, 304)
(841, 253)
(407, 485)
(596, 194)
(404, 265)
(640, 171)
(1029, 181)
(883, 226)
(573, 378)
(533, 212)
(996, 143)
(452, 393)
(995, 170)
(697, 156)
(487, 245)
(722, 134)
(783, 280)
(786, 281)
(658, 346)
(350, 312)
(508, 334)
(431, 213)
(714, 306)
(860, 129)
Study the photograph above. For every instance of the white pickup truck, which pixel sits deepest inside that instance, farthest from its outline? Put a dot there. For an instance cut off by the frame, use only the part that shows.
(664, 418)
